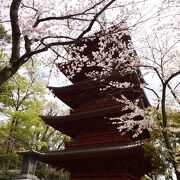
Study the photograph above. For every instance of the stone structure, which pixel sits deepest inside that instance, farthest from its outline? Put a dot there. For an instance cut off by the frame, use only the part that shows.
(28, 166)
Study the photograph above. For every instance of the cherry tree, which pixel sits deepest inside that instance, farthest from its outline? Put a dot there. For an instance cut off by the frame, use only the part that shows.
(38, 26)
(159, 54)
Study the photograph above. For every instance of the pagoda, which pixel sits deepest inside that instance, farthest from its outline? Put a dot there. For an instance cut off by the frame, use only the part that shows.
(103, 79)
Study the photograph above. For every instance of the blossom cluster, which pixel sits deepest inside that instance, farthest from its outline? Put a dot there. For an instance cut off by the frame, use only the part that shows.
(108, 51)
(136, 120)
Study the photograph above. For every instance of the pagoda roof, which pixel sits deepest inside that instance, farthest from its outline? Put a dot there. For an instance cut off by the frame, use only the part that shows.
(76, 94)
(58, 122)
(82, 152)
(92, 44)
(65, 124)
(80, 122)
(69, 159)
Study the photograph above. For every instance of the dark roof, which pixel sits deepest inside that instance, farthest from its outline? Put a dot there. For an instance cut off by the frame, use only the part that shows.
(87, 115)
(80, 122)
(84, 152)
(120, 157)
(92, 45)
(30, 152)
(66, 124)
(87, 91)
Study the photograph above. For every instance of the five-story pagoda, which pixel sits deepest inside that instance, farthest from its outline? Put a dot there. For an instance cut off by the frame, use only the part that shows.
(106, 96)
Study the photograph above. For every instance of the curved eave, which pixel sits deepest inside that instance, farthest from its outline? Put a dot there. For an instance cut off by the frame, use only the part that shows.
(76, 94)
(131, 78)
(111, 155)
(82, 115)
(85, 153)
(71, 124)
(76, 97)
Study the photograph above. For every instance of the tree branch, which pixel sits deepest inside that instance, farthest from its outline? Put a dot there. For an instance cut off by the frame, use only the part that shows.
(67, 16)
(16, 61)
(174, 94)
(155, 94)
(9, 70)
(171, 77)
(94, 19)
(15, 30)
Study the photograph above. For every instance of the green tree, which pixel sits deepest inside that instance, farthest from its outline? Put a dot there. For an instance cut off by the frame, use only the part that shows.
(22, 101)
(162, 156)
(20, 39)
(3, 35)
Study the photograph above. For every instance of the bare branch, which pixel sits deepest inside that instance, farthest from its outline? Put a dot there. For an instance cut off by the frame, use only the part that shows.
(177, 85)
(94, 19)
(29, 7)
(171, 77)
(169, 49)
(157, 107)
(174, 94)
(71, 16)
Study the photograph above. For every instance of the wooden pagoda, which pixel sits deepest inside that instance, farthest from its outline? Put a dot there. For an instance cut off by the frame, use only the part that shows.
(98, 150)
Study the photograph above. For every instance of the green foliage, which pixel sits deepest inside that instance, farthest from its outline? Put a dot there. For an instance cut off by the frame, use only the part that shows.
(158, 162)
(6, 175)
(162, 156)
(21, 104)
(3, 35)
(46, 172)
(144, 178)
(22, 100)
